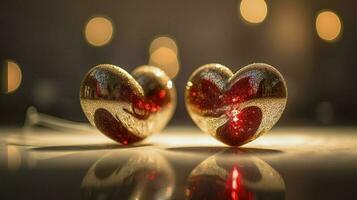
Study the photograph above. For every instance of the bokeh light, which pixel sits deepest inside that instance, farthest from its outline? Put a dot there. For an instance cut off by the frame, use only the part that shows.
(253, 11)
(163, 42)
(99, 31)
(328, 25)
(14, 76)
(163, 54)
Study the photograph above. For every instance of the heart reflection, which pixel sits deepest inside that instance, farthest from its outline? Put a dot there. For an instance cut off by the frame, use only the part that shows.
(129, 174)
(243, 178)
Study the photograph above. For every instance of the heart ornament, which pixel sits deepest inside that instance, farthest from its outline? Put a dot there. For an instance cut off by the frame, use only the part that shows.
(236, 108)
(127, 108)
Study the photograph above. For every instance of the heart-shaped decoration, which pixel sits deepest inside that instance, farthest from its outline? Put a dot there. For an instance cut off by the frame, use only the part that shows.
(127, 108)
(234, 174)
(236, 108)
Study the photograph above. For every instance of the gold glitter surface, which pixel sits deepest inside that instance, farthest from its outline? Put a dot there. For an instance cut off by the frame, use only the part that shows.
(127, 108)
(209, 105)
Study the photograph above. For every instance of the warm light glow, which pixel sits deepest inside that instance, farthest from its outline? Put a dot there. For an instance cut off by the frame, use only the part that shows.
(169, 84)
(14, 76)
(99, 31)
(163, 54)
(235, 173)
(163, 42)
(177, 137)
(13, 158)
(235, 182)
(328, 25)
(253, 11)
(165, 59)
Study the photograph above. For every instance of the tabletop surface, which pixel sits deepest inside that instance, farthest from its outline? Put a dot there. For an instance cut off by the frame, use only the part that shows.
(179, 163)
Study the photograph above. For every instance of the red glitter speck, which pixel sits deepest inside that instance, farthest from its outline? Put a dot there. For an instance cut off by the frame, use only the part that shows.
(152, 175)
(147, 106)
(162, 94)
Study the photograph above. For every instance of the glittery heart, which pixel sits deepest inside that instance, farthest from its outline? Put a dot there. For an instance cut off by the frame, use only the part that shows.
(236, 108)
(127, 108)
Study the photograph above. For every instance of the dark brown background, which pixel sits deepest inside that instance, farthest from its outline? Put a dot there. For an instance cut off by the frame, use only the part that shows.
(46, 39)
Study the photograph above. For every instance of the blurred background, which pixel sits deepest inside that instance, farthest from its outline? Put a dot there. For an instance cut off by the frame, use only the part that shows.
(46, 47)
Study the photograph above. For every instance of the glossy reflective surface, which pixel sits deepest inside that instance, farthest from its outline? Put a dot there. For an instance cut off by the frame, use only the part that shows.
(300, 163)
(231, 175)
(132, 174)
(236, 108)
(127, 108)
